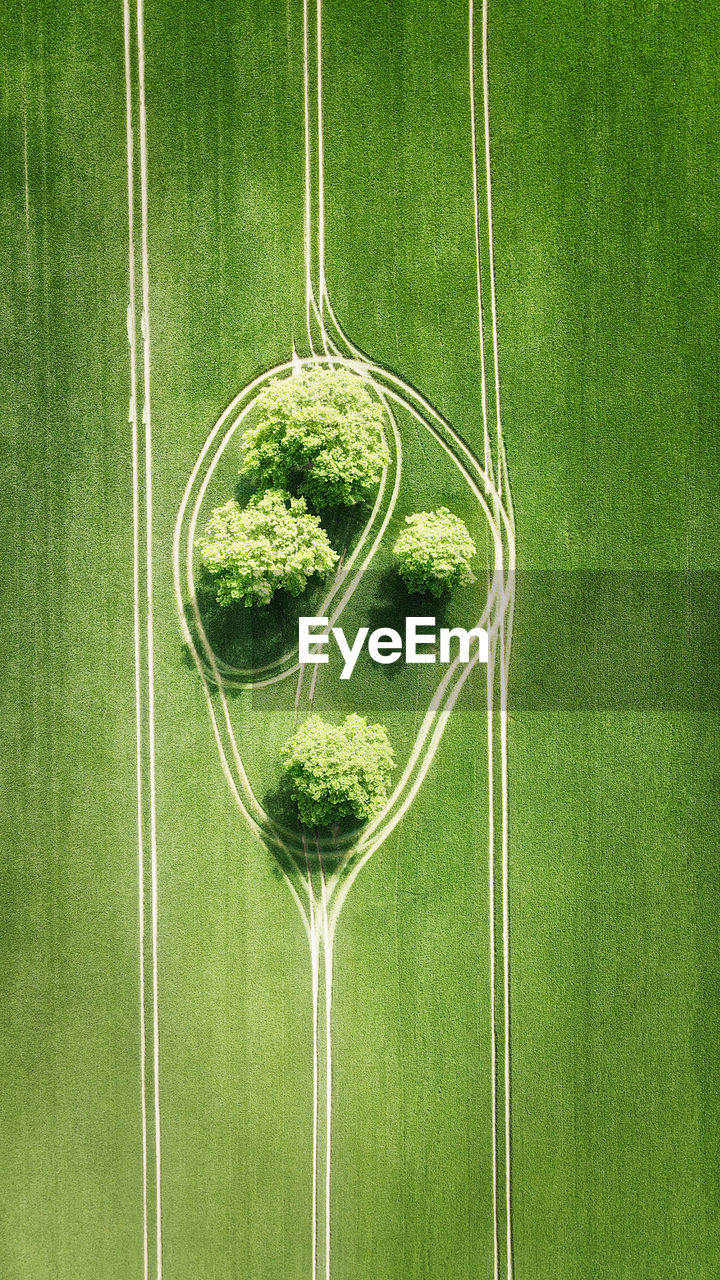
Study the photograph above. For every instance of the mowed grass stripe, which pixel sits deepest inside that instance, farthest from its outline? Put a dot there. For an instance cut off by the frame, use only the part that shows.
(70, 1034)
(602, 221)
(236, 981)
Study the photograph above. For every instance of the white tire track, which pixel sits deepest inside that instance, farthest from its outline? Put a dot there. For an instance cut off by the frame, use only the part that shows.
(144, 690)
(503, 488)
(137, 648)
(150, 654)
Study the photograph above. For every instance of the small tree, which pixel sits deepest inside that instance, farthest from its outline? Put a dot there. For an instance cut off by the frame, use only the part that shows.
(319, 434)
(434, 551)
(338, 771)
(273, 543)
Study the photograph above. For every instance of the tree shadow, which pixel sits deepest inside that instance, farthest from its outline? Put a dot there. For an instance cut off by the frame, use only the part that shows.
(260, 635)
(343, 525)
(280, 807)
(394, 604)
(244, 489)
(332, 841)
(248, 637)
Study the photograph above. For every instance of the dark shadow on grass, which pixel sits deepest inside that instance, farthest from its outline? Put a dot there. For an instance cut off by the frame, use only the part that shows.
(278, 803)
(343, 525)
(281, 808)
(248, 637)
(257, 636)
(394, 604)
(244, 489)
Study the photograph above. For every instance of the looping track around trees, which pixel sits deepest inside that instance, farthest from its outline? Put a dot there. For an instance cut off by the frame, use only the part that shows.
(216, 681)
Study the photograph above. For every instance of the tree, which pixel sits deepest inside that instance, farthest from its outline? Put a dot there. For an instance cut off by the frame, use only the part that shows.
(320, 434)
(434, 551)
(273, 543)
(338, 771)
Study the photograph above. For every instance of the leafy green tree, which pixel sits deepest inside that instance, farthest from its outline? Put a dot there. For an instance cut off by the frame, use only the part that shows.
(434, 551)
(251, 552)
(320, 434)
(338, 771)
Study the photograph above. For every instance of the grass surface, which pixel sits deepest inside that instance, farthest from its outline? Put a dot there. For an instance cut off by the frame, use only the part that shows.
(605, 129)
(70, 1097)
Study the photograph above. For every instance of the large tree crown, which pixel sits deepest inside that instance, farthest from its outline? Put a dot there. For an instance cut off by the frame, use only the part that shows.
(434, 551)
(274, 542)
(319, 433)
(338, 771)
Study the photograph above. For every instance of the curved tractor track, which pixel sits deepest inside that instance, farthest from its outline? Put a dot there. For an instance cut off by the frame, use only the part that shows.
(217, 677)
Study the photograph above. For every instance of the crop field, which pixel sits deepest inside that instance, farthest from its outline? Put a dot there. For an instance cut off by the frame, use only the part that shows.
(477, 1037)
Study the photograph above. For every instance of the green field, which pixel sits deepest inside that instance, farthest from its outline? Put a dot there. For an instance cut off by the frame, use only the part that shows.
(604, 128)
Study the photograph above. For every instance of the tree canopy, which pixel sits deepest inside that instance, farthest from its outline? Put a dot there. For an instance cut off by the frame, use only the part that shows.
(338, 771)
(273, 543)
(434, 551)
(319, 434)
